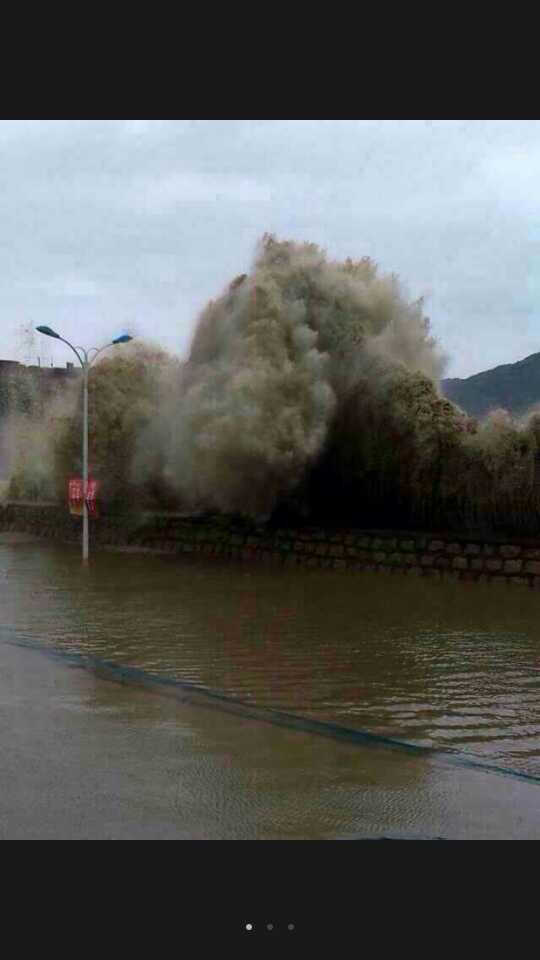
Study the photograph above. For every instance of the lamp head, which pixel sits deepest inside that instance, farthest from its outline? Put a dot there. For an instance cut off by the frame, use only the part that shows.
(48, 332)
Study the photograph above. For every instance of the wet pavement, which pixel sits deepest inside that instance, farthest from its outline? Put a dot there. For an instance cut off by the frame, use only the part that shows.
(86, 758)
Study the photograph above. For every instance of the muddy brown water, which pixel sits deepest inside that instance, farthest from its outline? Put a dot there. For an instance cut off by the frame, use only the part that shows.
(438, 664)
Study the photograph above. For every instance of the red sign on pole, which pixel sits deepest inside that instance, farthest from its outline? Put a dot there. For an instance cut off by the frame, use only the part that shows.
(76, 496)
(91, 489)
(75, 488)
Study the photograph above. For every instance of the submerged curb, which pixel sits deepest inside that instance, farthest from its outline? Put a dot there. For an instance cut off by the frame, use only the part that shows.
(186, 692)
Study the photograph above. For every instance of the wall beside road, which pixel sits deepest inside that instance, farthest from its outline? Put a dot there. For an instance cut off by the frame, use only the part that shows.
(22, 386)
(23, 389)
(467, 557)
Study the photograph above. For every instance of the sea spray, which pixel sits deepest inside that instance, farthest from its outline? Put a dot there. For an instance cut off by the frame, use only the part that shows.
(273, 364)
(311, 390)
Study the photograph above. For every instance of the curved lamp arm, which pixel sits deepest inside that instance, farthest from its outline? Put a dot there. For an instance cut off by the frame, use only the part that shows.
(86, 353)
(104, 347)
(75, 350)
(123, 338)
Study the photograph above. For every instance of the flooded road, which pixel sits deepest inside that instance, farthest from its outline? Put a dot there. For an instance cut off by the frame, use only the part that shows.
(438, 664)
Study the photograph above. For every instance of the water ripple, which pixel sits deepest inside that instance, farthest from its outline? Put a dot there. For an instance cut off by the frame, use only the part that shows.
(433, 663)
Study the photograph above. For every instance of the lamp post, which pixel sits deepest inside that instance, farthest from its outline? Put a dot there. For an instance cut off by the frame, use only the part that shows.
(82, 357)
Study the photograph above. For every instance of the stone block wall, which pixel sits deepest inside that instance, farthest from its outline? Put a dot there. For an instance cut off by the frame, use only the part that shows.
(466, 557)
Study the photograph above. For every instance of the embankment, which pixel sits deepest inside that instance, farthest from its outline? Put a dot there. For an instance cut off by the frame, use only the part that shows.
(467, 557)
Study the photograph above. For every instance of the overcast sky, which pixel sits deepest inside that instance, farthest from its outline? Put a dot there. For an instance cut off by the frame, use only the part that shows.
(123, 224)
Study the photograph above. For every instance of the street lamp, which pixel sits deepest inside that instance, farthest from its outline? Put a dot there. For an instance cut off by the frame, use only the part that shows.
(85, 364)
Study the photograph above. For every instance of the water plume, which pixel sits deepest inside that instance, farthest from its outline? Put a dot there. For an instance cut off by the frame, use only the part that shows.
(311, 392)
(273, 362)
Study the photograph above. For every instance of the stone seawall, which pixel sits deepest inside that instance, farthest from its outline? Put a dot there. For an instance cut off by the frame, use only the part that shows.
(463, 557)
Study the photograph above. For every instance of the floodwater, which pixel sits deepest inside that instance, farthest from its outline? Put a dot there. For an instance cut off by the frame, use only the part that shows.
(439, 664)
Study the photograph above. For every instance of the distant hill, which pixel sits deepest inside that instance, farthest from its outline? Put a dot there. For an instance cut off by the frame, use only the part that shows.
(514, 386)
